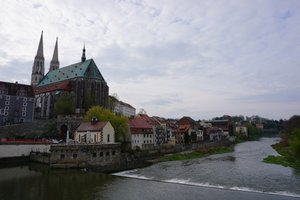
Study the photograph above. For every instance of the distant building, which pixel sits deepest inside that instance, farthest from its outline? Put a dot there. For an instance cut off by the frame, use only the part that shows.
(241, 130)
(223, 124)
(16, 103)
(95, 132)
(82, 80)
(216, 134)
(188, 131)
(122, 108)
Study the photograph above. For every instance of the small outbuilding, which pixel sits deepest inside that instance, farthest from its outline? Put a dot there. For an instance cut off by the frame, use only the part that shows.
(95, 132)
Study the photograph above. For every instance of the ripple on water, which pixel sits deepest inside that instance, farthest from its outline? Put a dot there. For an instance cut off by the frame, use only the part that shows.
(241, 169)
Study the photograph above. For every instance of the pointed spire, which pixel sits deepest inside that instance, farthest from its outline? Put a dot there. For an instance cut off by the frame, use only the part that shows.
(83, 58)
(54, 64)
(38, 68)
(40, 51)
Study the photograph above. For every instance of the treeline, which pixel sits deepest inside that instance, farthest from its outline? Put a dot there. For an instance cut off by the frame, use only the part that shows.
(289, 147)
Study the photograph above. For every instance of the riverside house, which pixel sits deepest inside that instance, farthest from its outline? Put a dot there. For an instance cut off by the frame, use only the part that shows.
(142, 136)
(95, 132)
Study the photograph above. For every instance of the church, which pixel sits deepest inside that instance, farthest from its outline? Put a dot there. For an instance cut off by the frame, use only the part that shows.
(82, 81)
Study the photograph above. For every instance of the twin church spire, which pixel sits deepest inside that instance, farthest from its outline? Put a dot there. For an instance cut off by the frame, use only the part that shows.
(54, 64)
(38, 68)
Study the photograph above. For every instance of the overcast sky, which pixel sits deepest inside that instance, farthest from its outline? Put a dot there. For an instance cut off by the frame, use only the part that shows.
(196, 58)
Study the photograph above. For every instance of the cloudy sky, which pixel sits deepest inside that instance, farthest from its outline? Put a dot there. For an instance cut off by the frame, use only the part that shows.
(171, 57)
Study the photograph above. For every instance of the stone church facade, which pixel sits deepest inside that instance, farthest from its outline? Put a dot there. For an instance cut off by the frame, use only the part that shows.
(82, 80)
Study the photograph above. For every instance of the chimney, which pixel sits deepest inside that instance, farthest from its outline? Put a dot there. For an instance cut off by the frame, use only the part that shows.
(94, 120)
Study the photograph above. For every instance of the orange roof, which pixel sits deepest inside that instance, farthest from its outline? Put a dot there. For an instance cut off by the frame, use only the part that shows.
(87, 126)
(185, 127)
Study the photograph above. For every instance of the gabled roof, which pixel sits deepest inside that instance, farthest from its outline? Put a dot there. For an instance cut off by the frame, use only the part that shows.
(139, 123)
(87, 69)
(88, 126)
(186, 120)
(148, 119)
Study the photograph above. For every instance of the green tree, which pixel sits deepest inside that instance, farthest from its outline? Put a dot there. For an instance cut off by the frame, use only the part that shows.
(112, 101)
(294, 142)
(65, 104)
(120, 123)
(253, 132)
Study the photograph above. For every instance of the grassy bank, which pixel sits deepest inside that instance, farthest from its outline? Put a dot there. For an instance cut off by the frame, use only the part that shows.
(196, 154)
(286, 158)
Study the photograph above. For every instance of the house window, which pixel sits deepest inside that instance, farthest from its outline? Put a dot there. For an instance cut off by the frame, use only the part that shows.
(5, 113)
(75, 155)
(21, 120)
(107, 153)
(7, 103)
(62, 156)
(101, 154)
(94, 155)
(6, 108)
(95, 138)
(113, 153)
(108, 138)
(24, 104)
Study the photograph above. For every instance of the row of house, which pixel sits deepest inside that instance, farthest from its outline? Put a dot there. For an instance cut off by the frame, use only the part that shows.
(147, 132)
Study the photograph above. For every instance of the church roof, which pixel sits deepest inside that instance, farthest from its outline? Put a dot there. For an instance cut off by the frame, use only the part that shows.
(86, 69)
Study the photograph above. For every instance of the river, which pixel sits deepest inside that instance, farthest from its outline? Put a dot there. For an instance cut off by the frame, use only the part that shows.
(237, 175)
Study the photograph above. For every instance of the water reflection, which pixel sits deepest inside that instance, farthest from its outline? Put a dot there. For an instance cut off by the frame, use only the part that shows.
(38, 182)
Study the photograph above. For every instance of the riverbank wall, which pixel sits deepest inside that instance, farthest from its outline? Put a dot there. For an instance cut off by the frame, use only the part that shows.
(12, 153)
(109, 158)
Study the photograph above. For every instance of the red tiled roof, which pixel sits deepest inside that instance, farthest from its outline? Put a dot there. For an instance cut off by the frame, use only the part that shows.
(150, 120)
(139, 123)
(63, 85)
(87, 126)
(185, 127)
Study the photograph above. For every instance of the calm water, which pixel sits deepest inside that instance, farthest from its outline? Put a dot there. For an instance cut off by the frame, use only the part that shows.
(237, 175)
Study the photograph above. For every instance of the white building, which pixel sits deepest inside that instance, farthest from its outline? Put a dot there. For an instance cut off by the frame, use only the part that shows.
(95, 132)
(241, 130)
(142, 135)
(125, 109)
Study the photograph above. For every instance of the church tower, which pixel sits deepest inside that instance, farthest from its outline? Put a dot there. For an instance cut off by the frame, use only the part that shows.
(83, 58)
(38, 68)
(54, 64)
